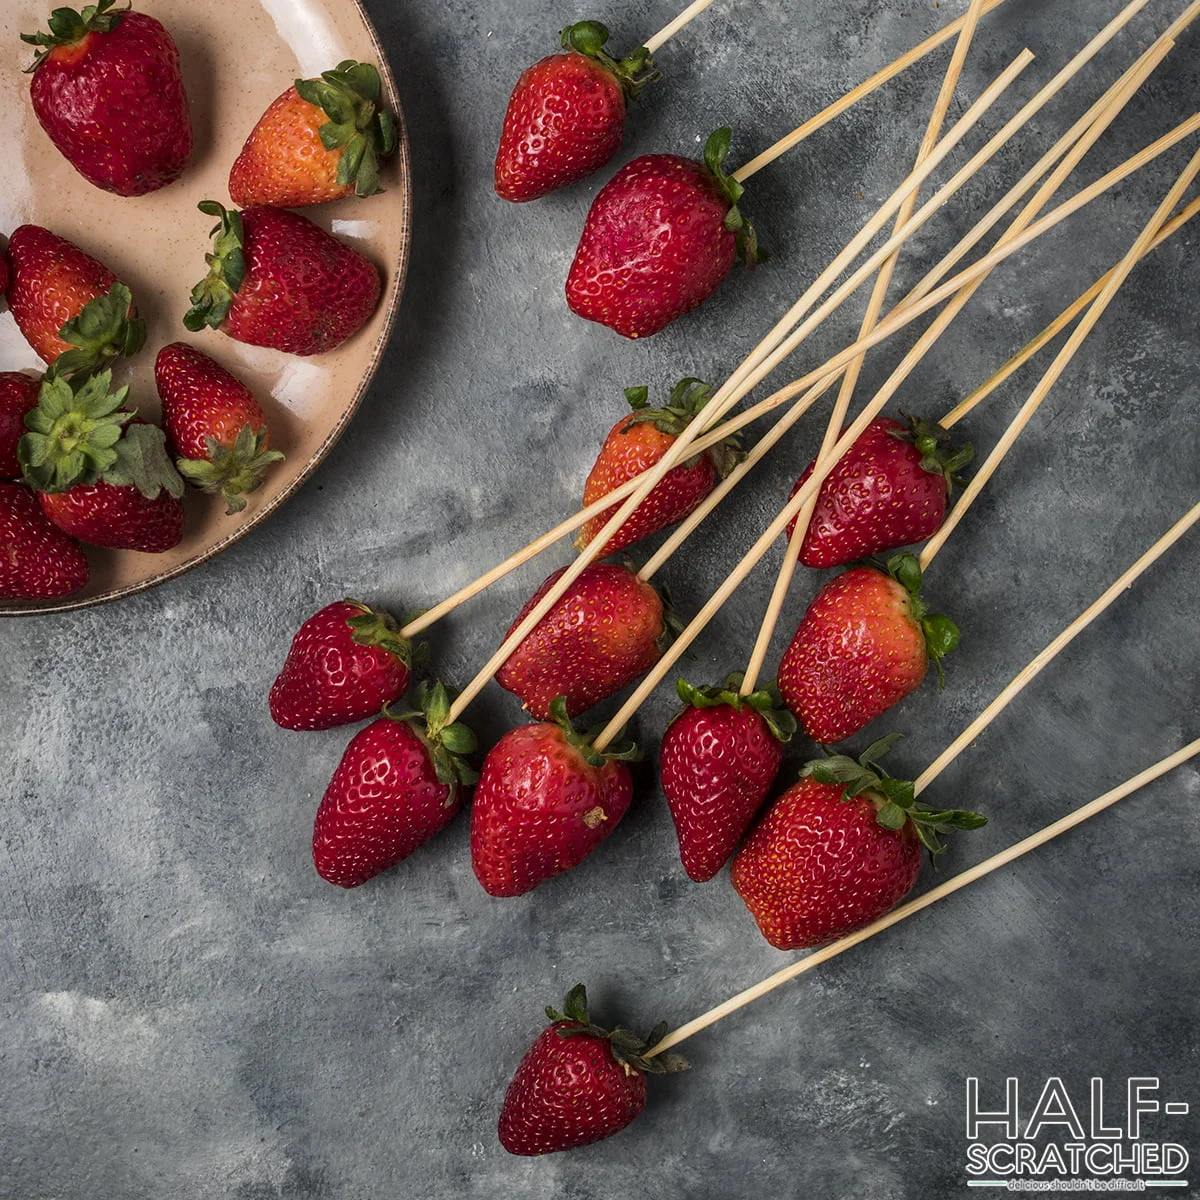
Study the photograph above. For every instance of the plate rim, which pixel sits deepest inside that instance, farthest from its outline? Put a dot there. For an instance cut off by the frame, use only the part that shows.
(391, 311)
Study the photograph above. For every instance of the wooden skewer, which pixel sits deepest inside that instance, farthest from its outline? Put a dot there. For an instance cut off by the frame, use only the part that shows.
(1018, 360)
(725, 398)
(975, 873)
(1081, 622)
(863, 90)
(668, 31)
(1118, 277)
(791, 557)
(1013, 237)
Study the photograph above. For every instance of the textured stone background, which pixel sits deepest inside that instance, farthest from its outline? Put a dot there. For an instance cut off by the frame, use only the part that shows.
(188, 1011)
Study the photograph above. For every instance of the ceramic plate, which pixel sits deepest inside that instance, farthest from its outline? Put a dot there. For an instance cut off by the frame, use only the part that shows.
(237, 57)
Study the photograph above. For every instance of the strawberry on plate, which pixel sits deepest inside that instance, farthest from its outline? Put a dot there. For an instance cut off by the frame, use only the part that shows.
(107, 90)
(320, 140)
(275, 279)
(864, 644)
(18, 395)
(719, 760)
(102, 474)
(71, 308)
(888, 490)
(545, 800)
(566, 116)
(838, 850)
(216, 430)
(578, 1083)
(659, 239)
(37, 560)
(346, 662)
(399, 782)
(608, 629)
(634, 444)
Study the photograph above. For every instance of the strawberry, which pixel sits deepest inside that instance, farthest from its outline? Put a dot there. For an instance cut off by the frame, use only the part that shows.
(837, 850)
(18, 394)
(37, 560)
(345, 663)
(578, 1083)
(635, 444)
(320, 140)
(70, 307)
(888, 490)
(399, 782)
(3, 273)
(566, 116)
(545, 800)
(275, 279)
(865, 642)
(107, 90)
(659, 238)
(607, 630)
(719, 759)
(102, 474)
(215, 429)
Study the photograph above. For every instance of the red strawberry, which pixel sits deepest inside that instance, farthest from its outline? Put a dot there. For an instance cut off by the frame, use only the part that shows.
(399, 782)
(578, 1083)
(607, 630)
(18, 394)
(345, 663)
(37, 560)
(70, 307)
(888, 490)
(566, 116)
(865, 642)
(107, 90)
(635, 444)
(837, 851)
(276, 279)
(3, 273)
(103, 474)
(321, 140)
(544, 802)
(719, 760)
(215, 429)
(659, 238)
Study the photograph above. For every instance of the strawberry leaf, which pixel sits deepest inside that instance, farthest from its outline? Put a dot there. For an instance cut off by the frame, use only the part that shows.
(142, 462)
(68, 27)
(632, 72)
(213, 295)
(231, 471)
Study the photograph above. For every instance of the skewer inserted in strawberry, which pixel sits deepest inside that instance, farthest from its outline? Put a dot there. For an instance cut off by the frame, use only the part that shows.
(400, 781)
(566, 116)
(719, 760)
(545, 800)
(321, 140)
(659, 239)
(864, 644)
(838, 850)
(216, 430)
(634, 444)
(579, 1083)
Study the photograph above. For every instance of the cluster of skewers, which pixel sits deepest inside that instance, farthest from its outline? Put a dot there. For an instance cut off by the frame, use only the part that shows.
(826, 863)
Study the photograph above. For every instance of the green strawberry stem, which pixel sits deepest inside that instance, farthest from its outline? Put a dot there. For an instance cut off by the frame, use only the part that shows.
(68, 27)
(231, 471)
(895, 799)
(716, 151)
(633, 72)
(939, 455)
(450, 744)
(80, 433)
(627, 1048)
(351, 96)
(618, 750)
(687, 400)
(213, 295)
(766, 701)
(102, 331)
(941, 633)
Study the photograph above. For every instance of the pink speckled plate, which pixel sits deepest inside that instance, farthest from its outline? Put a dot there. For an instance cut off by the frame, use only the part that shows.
(237, 57)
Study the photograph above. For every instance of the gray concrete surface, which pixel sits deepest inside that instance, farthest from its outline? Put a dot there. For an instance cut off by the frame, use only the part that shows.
(188, 1011)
